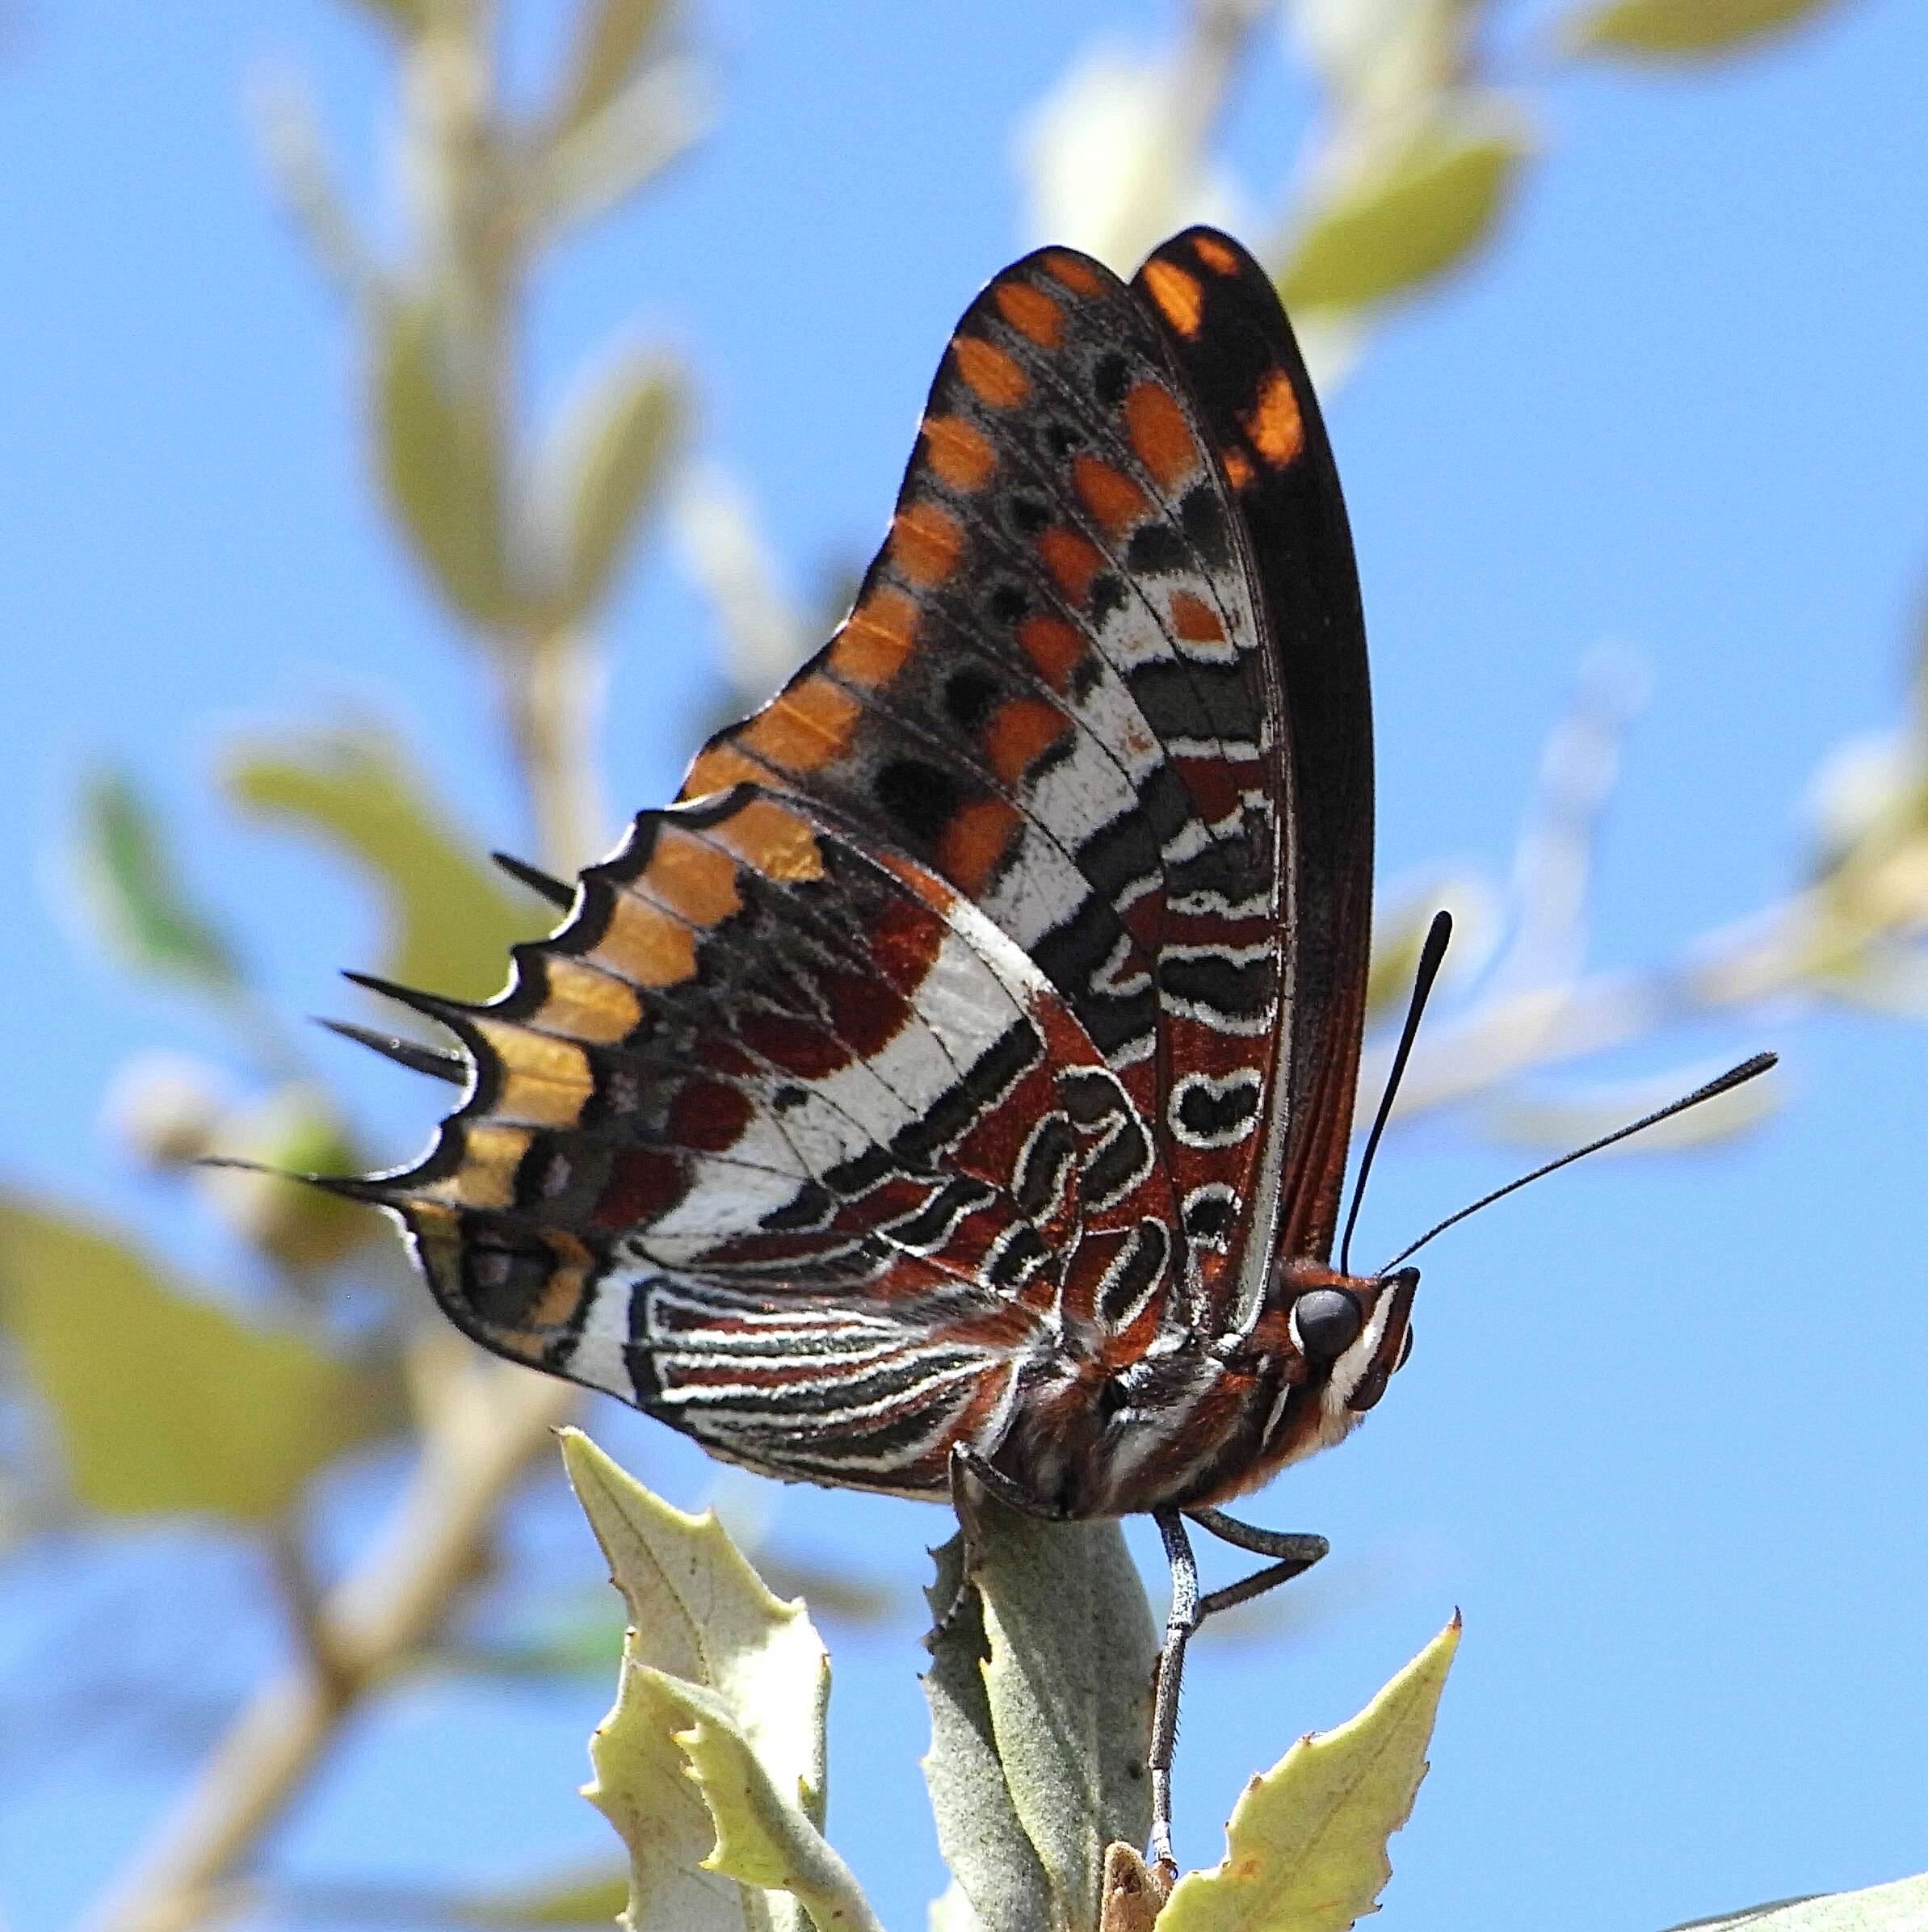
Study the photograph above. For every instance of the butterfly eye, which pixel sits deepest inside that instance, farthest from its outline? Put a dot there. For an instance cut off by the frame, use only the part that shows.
(1326, 1322)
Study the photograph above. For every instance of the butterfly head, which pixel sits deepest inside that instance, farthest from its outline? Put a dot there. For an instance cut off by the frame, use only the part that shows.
(1345, 1335)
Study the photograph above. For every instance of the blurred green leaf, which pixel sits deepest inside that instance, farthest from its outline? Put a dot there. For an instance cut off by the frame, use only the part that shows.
(164, 1401)
(437, 441)
(1305, 1850)
(1384, 55)
(1419, 209)
(591, 1898)
(1672, 30)
(405, 16)
(451, 924)
(609, 154)
(128, 886)
(708, 1647)
(1900, 1907)
(602, 476)
(611, 39)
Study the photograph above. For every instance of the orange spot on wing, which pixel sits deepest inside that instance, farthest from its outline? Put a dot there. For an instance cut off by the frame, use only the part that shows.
(1072, 561)
(1194, 620)
(1021, 732)
(975, 841)
(1079, 275)
(1180, 299)
(925, 542)
(992, 376)
(962, 455)
(1215, 254)
(691, 878)
(491, 1152)
(1116, 501)
(585, 1004)
(1275, 424)
(1030, 311)
(644, 945)
(876, 637)
(716, 768)
(1160, 434)
(803, 726)
(1238, 467)
(774, 841)
(1054, 646)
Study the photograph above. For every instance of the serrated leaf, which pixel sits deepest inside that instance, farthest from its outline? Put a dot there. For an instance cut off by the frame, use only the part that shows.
(997, 1875)
(763, 1838)
(128, 886)
(700, 1616)
(611, 38)
(1305, 1850)
(1421, 206)
(435, 438)
(1068, 1683)
(1685, 30)
(602, 475)
(164, 1401)
(1901, 1906)
(449, 924)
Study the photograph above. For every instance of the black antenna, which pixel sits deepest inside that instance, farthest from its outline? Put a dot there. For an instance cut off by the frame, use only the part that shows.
(1431, 953)
(1734, 1076)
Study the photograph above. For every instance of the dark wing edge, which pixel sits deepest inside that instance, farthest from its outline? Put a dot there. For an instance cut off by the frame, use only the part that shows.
(1230, 336)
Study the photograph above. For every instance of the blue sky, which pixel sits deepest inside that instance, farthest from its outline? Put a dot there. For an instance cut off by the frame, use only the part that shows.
(1661, 1438)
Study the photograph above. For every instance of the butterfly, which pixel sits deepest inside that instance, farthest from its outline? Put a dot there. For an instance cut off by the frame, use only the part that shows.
(952, 1090)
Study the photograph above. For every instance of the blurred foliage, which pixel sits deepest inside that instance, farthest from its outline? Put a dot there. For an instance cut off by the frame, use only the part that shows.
(1431, 120)
(163, 1401)
(451, 919)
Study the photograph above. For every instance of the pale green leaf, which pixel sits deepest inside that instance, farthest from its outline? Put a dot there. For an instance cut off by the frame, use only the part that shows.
(1305, 1850)
(602, 477)
(1901, 1906)
(163, 1401)
(449, 924)
(1072, 1648)
(997, 1878)
(763, 1839)
(698, 1615)
(611, 38)
(1685, 30)
(135, 901)
(653, 121)
(1420, 206)
(436, 440)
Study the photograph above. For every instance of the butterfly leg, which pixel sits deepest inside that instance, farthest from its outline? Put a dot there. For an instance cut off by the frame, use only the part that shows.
(1180, 1622)
(1292, 1551)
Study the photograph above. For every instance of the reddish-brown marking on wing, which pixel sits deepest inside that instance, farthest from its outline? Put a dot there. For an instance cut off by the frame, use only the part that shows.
(1215, 254)
(1076, 274)
(1073, 561)
(1193, 619)
(1115, 502)
(1161, 435)
(1019, 733)
(1054, 647)
(976, 839)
